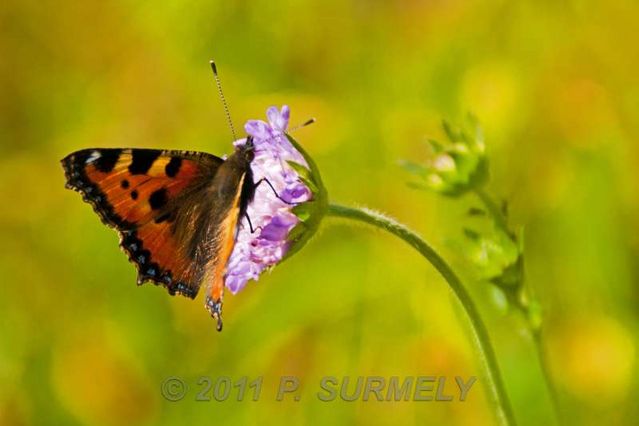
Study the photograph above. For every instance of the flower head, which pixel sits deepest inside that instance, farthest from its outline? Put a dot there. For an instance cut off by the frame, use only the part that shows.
(284, 207)
(457, 166)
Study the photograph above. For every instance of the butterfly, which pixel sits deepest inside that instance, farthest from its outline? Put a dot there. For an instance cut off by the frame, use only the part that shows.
(176, 212)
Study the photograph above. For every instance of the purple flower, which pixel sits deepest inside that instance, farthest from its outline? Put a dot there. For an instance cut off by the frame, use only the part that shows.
(272, 217)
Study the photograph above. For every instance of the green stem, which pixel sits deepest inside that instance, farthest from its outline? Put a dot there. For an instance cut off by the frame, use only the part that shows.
(496, 385)
(500, 221)
(494, 210)
(545, 371)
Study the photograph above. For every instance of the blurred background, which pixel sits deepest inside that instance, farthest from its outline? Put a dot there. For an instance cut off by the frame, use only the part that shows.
(554, 85)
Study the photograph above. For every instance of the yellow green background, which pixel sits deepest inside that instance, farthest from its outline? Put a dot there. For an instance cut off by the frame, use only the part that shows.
(555, 86)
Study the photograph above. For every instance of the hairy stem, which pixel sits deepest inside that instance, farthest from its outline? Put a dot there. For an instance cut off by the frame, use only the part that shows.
(496, 385)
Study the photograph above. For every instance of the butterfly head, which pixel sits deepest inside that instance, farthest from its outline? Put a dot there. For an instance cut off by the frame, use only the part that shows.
(246, 151)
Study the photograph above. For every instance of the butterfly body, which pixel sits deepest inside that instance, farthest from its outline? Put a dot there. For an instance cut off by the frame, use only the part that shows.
(176, 212)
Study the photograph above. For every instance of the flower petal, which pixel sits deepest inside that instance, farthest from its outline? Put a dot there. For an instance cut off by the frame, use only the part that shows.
(278, 120)
(258, 129)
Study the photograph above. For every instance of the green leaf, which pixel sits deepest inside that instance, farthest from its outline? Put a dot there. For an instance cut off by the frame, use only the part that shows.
(304, 210)
(414, 168)
(511, 276)
(471, 235)
(481, 173)
(453, 135)
(504, 208)
(474, 211)
(418, 185)
(535, 315)
(300, 169)
(435, 146)
(304, 175)
(297, 232)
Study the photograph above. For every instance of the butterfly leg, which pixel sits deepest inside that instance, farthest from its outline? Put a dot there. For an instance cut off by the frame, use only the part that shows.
(274, 191)
(253, 230)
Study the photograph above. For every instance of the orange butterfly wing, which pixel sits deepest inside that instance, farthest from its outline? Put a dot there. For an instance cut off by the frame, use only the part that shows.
(140, 192)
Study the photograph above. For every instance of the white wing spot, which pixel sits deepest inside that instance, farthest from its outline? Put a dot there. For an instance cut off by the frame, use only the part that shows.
(94, 156)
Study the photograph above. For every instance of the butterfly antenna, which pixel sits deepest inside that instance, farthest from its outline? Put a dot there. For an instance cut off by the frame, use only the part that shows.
(304, 124)
(226, 106)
